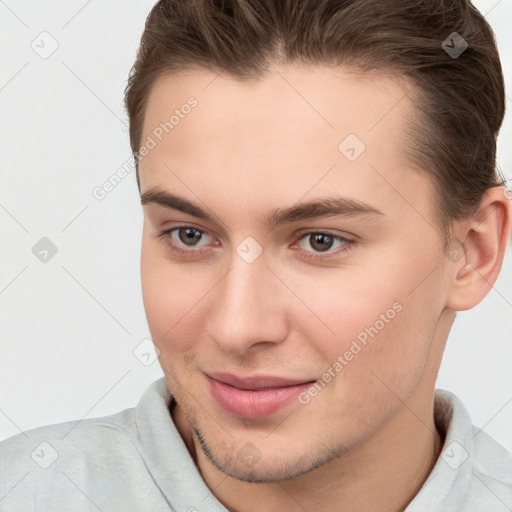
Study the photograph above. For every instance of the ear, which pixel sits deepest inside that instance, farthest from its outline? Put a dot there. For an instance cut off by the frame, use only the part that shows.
(477, 250)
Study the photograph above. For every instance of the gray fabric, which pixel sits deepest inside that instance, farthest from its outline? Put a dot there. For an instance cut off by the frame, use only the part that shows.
(136, 460)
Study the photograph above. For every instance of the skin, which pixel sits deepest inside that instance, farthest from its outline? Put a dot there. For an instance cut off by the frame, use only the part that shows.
(367, 441)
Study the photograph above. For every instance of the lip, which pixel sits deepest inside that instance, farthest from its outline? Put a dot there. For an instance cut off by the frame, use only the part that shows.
(253, 397)
(258, 382)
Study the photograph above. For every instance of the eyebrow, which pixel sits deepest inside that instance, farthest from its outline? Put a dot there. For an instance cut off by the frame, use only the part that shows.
(321, 207)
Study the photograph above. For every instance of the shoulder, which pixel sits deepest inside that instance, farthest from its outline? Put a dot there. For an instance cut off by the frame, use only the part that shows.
(492, 469)
(475, 470)
(45, 445)
(106, 463)
(58, 462)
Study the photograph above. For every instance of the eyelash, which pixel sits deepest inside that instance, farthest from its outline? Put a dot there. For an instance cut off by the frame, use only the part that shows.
(164, 237)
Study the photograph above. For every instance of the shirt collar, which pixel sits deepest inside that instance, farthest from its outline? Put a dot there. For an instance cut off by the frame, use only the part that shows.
(451, 474)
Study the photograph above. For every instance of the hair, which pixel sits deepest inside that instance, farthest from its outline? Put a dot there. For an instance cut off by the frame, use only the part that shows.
(459, 101)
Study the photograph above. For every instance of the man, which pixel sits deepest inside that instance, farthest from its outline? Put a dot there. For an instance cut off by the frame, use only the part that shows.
(320, 197)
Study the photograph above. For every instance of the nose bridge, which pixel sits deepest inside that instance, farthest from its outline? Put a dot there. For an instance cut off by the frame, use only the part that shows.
(248, 305)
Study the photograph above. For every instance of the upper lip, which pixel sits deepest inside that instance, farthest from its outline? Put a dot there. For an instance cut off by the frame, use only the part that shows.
(256, 381)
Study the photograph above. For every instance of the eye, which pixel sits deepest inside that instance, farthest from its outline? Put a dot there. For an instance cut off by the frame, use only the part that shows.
(186, 236)
(322, 242)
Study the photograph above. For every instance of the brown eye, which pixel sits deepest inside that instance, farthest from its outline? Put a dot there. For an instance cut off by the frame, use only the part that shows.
(323, 245)
(189, 235)
(321, 241)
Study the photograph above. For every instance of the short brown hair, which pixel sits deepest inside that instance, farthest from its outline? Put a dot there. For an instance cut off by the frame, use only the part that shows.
(460, 101)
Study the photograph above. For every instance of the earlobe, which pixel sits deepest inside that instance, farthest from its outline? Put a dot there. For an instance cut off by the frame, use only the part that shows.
(486, 238)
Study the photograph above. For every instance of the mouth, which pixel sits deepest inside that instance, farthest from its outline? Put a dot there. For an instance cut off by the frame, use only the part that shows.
(254, 397)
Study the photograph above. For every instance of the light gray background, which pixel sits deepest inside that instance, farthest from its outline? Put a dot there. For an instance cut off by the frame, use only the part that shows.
(70, 326)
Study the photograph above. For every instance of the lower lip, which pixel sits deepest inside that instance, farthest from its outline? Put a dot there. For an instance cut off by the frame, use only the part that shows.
(253, 404)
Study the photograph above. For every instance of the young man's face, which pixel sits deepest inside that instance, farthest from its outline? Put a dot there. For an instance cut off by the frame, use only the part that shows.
(364, 315)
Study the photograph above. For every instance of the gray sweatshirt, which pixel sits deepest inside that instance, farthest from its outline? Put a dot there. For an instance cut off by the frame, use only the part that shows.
(136, 461)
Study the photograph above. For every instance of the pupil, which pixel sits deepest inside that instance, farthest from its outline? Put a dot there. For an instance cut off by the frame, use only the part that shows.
(322, 239)
(191, 235)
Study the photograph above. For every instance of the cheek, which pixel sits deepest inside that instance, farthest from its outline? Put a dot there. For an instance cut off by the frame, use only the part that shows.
(155, 289)
(172, 295)
(162, 291)
(374, 362)
(385, 371)
(345, 307)
(371, 328)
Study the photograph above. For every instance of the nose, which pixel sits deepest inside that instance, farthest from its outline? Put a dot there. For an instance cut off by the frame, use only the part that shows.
(249, 307)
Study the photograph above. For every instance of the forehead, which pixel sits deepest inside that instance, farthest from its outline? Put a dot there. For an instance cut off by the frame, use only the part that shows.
(311, 104)
(296, 131)
(292, 112)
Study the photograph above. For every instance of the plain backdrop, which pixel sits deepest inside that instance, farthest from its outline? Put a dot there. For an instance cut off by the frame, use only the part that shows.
(70, 325)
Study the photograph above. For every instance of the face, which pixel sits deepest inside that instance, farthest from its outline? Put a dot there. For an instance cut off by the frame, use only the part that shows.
(345, 302)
